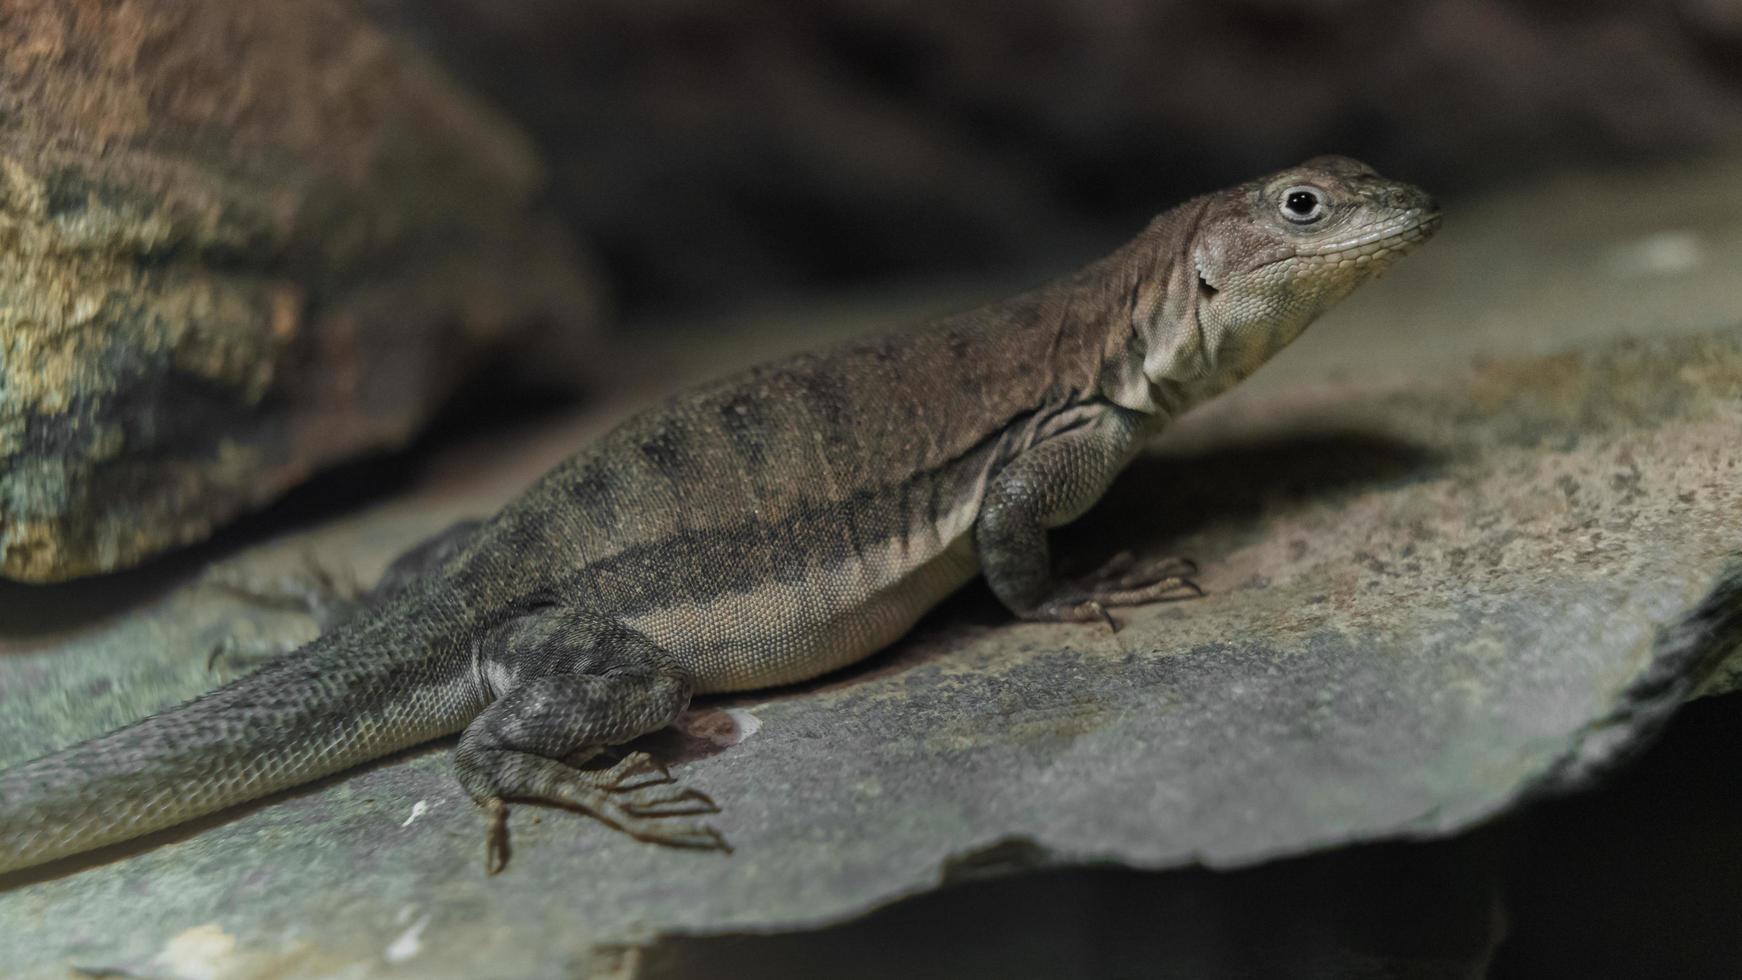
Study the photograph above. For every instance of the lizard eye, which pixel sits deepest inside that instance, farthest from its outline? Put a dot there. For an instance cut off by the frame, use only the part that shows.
(1303, 205)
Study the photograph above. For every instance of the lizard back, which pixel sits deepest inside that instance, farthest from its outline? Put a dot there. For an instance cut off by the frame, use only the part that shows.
(780, 523)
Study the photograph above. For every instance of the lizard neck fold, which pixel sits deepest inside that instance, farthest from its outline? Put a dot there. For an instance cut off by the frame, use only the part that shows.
(1155, 359)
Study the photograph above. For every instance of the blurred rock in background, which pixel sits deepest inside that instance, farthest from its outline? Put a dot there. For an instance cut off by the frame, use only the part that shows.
(238, 242)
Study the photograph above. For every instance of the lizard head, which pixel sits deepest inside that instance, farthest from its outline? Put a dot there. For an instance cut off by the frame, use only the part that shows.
(1268, 257)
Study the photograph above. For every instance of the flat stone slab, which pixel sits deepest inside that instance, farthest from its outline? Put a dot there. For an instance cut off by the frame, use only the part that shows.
(1436, 590)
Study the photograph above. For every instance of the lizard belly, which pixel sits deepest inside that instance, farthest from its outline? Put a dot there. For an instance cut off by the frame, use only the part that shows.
(786, 632)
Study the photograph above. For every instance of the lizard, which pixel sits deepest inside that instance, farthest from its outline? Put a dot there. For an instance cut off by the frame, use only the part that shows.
(755, 531)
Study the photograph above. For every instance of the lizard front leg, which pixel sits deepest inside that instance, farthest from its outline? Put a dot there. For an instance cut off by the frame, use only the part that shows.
(576, 684)
(1053, 483)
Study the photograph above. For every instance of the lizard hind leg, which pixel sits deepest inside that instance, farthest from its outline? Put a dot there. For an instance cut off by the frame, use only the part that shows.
(579, 684)
(329, 595)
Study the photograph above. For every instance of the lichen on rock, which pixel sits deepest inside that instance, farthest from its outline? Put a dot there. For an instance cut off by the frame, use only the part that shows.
(238, 242)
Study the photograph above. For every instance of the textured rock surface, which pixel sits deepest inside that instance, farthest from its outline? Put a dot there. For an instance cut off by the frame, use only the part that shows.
(1444, 537)
(238, 242)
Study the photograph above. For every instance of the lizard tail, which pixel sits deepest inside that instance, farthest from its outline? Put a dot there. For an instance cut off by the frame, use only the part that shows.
(384, 684)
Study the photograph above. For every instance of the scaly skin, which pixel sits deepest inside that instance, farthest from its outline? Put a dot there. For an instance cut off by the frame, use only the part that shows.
(759, 530)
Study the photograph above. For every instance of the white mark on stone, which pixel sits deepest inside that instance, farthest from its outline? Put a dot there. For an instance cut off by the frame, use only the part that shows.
(203, 952)
(418, 809)
(409, 943)
(1664, 253)
(747, 723)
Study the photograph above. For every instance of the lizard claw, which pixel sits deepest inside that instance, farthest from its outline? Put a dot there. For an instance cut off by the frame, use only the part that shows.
(496, 849)
(1076, 610)
(1095, 609)
(1106, 616)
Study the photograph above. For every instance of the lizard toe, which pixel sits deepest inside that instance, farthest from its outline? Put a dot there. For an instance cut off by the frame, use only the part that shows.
(632, 772)
(667, 801)
(496, 849)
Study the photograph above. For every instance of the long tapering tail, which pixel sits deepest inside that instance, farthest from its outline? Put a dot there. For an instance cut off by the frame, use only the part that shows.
(382, 684)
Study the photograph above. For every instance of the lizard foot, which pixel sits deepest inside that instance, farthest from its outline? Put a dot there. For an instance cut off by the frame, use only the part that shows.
(1125, 571)
(317, 591)
(643, 785)
(621, 798)
(1123, 581)
(240, 656)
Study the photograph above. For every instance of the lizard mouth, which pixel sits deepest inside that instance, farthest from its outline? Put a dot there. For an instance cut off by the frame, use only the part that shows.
(1382, 242)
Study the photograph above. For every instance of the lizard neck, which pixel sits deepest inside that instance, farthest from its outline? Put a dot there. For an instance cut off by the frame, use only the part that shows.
(1123, 329)
(1153, 357)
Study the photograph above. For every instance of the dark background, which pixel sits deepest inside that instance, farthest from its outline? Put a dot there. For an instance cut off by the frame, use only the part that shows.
(715, 153)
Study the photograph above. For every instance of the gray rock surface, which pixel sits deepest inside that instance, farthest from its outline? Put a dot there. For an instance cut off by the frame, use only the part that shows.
(1469, 543)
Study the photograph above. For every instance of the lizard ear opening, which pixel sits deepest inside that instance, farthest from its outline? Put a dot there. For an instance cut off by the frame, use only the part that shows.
(1206, 261)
